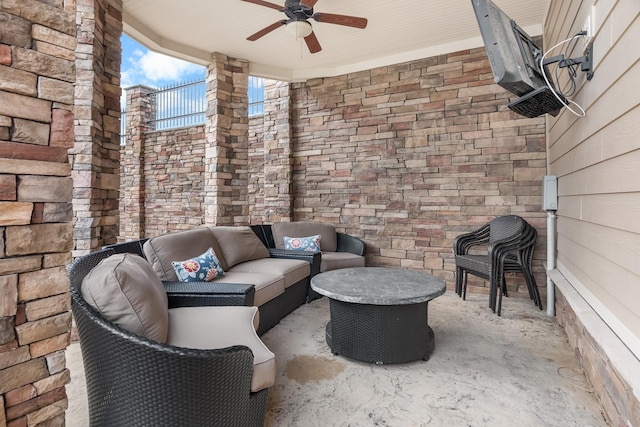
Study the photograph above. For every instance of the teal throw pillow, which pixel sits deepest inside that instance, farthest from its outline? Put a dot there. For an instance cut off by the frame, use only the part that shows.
(205, 267)
(310, 244)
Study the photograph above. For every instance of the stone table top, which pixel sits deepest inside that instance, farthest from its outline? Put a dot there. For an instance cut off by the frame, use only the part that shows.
(378, 285)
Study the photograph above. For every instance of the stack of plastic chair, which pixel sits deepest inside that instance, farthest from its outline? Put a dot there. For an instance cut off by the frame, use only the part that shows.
(505, 244)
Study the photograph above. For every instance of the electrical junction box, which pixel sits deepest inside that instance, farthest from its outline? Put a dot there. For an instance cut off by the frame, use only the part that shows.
(550, 193)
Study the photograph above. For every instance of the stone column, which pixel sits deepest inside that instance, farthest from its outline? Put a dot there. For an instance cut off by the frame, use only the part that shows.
(140, 111)
(96, 154)
(278, 158)
(37, 73)
(226, 153)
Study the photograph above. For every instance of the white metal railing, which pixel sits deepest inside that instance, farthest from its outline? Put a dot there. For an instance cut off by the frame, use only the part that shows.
(123, 127)
(184, 104)
(181, 104)
(256, 96)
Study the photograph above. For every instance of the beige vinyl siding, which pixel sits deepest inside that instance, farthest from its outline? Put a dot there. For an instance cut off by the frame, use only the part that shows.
(597, 161)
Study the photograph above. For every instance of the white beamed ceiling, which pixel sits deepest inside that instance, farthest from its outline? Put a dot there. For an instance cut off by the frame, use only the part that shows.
(398, 31)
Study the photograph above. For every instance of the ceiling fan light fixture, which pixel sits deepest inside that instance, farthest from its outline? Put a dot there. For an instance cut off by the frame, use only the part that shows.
(299, 29)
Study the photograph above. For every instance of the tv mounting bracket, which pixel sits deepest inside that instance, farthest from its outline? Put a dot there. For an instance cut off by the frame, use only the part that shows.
(586, 61)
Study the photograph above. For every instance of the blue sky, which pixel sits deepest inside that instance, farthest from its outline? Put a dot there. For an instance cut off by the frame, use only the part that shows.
(145, 67)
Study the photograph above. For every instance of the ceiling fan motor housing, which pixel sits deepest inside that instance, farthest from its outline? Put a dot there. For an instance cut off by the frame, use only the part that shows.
(297, 11)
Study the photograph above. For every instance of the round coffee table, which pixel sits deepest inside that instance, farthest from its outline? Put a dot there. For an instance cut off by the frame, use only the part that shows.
(379, 314)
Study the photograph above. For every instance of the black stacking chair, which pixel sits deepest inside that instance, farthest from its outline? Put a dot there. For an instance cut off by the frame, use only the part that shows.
(518, 257)
(508, 243)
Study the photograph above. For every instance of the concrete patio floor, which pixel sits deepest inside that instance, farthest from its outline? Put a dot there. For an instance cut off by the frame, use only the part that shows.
(513, 370)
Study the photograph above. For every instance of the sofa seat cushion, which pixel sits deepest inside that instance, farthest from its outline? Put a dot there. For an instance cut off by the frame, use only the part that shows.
(292, 270)
(336, 260)
(220, 327)
(126, 291)
(238, 244)
(267, 285)
(327, 232)
(162, 250)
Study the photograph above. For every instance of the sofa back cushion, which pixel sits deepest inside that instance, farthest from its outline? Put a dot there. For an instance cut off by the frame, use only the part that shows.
(127, 292)
(238, 244)
(161, 251)
(327, 232)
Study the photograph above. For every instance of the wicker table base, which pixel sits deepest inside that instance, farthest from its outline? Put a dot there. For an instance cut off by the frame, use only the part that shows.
(379, 315)
(380, 333)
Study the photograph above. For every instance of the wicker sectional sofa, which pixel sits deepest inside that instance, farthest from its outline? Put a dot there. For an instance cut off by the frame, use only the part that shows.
(251, 255)
(142, 332)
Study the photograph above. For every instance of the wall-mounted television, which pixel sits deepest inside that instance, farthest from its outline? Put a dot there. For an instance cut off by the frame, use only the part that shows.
(515, 61)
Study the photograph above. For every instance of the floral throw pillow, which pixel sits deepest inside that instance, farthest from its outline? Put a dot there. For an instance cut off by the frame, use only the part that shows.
(310, 244)
(205, 267)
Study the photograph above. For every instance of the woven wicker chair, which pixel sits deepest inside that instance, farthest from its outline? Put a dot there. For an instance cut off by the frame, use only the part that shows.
(517, 257)
(132, 380)
(508, 243)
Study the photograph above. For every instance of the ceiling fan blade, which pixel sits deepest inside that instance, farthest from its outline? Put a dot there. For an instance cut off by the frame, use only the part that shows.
(265, 3)
(349, 21)
(312, 43)
(266, 30)
(309, 3)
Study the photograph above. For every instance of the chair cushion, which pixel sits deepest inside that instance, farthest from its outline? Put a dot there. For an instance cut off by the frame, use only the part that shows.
(267, 285)
(309, 244)
(238, 244)
(336, 260)
(327, 232)
(126, 291)
(162, 250)
(220, 327)
(291, 270)
(203, 268)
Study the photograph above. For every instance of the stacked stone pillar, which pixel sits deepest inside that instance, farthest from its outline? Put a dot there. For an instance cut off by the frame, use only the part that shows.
(226, 154)
(37, 73)
(278, 157)
(96, 154)
(140, 111)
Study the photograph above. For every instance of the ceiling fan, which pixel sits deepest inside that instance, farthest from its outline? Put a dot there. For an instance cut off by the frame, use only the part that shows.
(298, 13)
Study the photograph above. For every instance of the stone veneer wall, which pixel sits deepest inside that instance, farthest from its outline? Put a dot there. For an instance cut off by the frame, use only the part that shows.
(278, 146)
(620, 403)
(226, 200)
(408, 156)
(173, 181)
(95, 157)
(182, 178)
(140, 110)
(37, 74)
(172, 186)
(257, 212)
